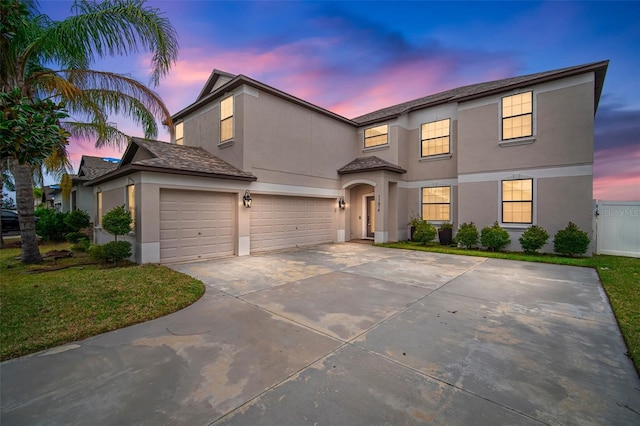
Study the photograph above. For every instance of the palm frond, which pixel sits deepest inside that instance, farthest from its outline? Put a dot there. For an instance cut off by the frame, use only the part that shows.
(105, 134)
(108, 28)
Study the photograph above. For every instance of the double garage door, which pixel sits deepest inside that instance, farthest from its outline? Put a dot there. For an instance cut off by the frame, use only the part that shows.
(198, 225)
(283, 222)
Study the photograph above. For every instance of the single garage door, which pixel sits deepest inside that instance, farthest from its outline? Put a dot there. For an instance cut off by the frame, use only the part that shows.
(279, 222)
(195, 225)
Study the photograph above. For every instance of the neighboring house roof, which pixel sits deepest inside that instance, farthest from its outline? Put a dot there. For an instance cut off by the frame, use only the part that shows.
(93, 167)
(165, 157)
(474, 91)
(370, 164)
(459, 94)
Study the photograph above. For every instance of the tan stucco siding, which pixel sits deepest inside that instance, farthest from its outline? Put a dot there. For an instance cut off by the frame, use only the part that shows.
(561, 200)
(563, 131)
(478, 202)
(285, 143)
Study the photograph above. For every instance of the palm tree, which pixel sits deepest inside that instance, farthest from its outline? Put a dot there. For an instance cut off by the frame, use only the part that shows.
(49, 61)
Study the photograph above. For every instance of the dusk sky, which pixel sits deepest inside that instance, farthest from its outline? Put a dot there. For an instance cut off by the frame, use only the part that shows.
(356, 57)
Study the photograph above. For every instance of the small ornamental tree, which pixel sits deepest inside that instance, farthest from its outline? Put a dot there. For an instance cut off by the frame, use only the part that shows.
(494, 237)
(571, 240)
(467, 235)
(425, 232)
(116, 221)
(533, 239)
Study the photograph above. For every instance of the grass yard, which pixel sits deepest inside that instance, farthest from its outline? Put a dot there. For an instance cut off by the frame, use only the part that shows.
(620, 277)
(41, 307)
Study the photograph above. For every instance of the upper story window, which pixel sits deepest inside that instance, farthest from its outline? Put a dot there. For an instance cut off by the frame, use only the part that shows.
(436, 203)
(180, 133)
(435, 138)
(517, 116)
(375, 136)
(517, 201)
(226, 119)
(131, 204)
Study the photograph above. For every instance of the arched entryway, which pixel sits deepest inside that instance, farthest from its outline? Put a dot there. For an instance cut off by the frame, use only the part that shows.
(361, 212)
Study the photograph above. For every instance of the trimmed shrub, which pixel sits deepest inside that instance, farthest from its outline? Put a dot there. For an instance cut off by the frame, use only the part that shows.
(51, 226)
(74, 237)
(117, 221)
(571, 240)
(117, 250)
(96, 252)
(77, 219)
(425, 232)
(82, 244)
(467, 235)
(494, 237)
(533, 239)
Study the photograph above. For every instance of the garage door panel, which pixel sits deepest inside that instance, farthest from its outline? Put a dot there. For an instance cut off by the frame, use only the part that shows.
(196, 225)
(279, 222)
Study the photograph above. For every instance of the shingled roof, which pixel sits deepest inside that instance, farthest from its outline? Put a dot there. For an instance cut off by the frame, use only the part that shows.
(93, 167)
(474, 91)
(178, 159)
(370, 164)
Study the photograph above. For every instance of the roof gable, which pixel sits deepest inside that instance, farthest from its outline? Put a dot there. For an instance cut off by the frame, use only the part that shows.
(216, 80)
(370, 164)
(92, 167)
(163, 157)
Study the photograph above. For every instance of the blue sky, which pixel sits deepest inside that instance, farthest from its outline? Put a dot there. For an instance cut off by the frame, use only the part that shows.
(355, 57)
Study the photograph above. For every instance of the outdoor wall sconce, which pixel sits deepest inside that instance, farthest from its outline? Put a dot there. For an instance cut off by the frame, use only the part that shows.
(246, 200)
(341, 203)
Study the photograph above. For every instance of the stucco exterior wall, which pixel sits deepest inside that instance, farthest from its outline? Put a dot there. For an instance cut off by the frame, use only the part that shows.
(563, 129)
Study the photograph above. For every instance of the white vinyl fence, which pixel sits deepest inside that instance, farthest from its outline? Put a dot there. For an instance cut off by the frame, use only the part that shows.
(617, 226)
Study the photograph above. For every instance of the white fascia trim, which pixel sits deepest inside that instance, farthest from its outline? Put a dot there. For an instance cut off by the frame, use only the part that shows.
(360, 181)
(551, 172)
(226, 185)
(428, 183)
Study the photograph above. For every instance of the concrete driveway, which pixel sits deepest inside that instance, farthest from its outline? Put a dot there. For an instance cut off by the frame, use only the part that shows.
(348, 334)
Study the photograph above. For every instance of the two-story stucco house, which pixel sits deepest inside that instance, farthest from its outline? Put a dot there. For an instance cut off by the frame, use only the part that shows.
(253, 168)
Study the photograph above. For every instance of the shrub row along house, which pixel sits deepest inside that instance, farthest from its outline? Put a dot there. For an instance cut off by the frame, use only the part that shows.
(254, 169)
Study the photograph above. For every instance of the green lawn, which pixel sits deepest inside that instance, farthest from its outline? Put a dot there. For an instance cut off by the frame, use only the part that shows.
(39, 310)
(620, 277)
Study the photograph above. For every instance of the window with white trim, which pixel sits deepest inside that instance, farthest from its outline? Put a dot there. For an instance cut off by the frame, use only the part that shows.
(180, 133)
(517, 201)
(99, 209)
(131, 204)
(436, 203)
(376, 136)
(517, 116)
(226, 119)
(435, 138)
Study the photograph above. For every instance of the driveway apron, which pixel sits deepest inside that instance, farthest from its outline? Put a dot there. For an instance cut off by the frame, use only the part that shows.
(348, 334)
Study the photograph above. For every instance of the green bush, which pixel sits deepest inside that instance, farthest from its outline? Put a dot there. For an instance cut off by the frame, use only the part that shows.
(74, 237)
(533, 239)
(51, 226)
(77, 219)
(494, 237)
(82, 244)
(425, 232)
(117, 221)
(117, 250)
(571, 240)
(96, 252)
(467, 235)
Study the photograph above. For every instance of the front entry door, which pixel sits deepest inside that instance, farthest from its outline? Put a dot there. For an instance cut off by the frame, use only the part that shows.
(371, 217)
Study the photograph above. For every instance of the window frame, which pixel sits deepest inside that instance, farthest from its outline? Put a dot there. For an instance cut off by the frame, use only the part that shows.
(131, 204)
(423, 139)
(423, 204)
(180, 133)
(503, 118)
(227, 118)
(99, 208)
(376, 136)
(503, 202)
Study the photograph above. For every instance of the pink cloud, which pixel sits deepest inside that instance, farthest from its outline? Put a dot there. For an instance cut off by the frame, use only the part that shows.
(617, 174)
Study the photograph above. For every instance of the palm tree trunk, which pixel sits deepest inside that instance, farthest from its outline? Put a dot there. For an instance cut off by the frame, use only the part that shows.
(24, 200)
